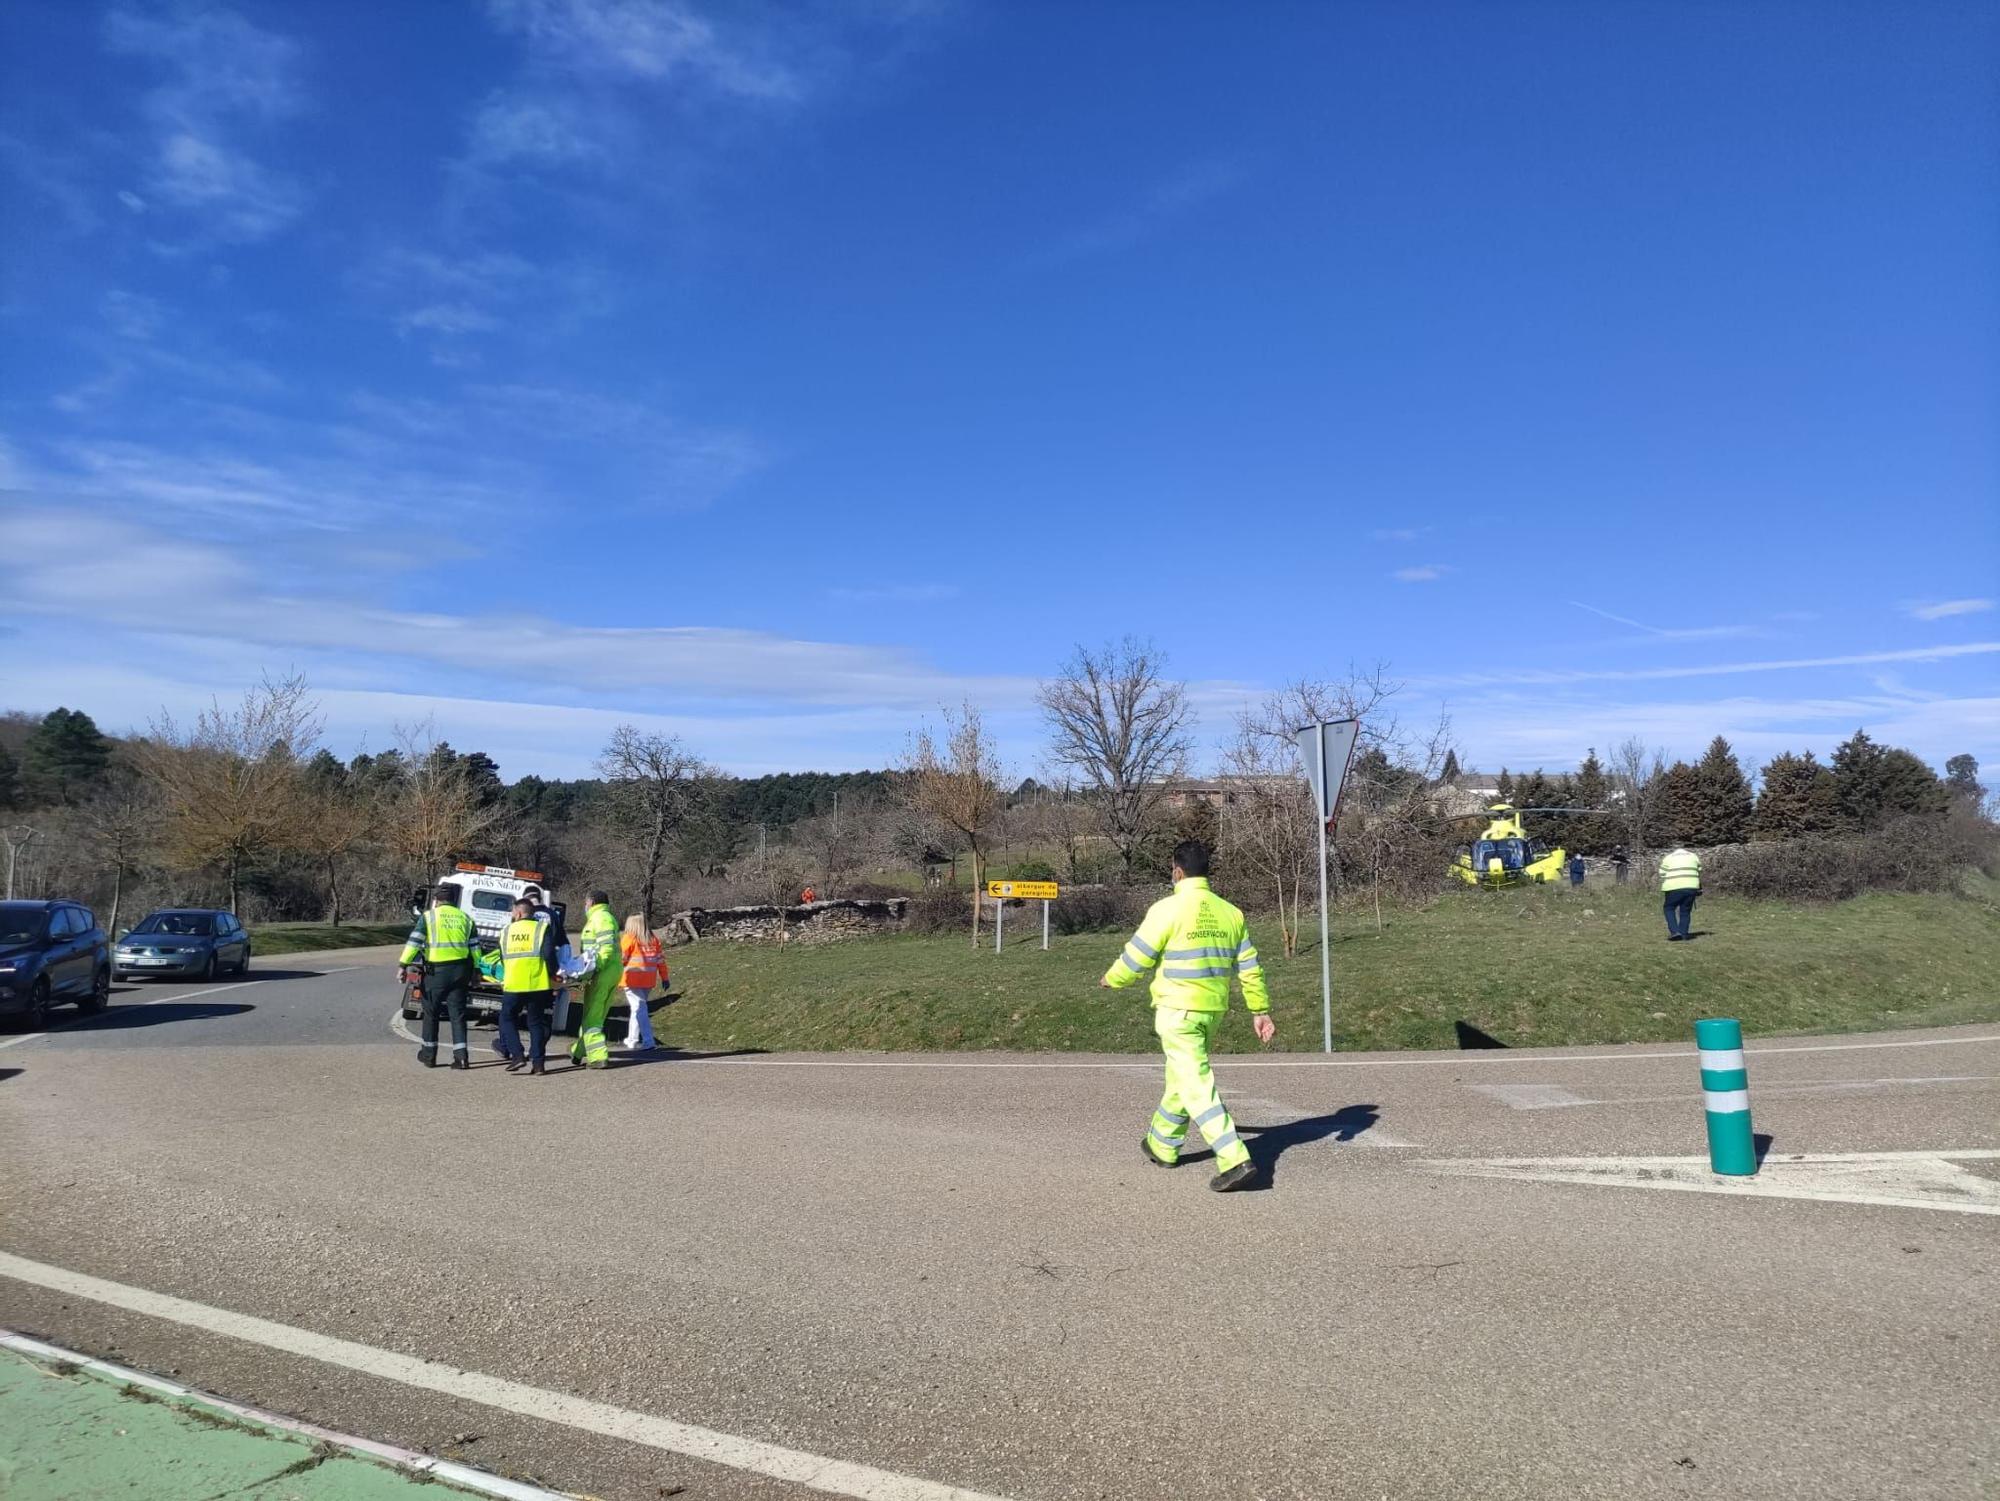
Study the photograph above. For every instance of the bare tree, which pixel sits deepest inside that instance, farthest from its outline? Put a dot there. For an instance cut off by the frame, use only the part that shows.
(957, 784)
(434, 811)
(338, 815)
(1065, 815)
(653, 782)
(229, 783)
(1115, 720)
(119, 823)
(1636, 774)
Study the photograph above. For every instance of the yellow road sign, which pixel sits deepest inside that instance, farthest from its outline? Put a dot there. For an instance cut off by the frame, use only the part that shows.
(1023, 891)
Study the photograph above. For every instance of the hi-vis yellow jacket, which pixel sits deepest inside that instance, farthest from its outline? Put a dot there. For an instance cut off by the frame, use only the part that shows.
(1196, 941)
(1680, 870)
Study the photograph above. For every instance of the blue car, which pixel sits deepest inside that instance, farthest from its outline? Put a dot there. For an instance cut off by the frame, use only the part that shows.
(50, 953)
(184, 943)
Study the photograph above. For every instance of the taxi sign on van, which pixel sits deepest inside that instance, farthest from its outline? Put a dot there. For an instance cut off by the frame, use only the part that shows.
(1023, 891)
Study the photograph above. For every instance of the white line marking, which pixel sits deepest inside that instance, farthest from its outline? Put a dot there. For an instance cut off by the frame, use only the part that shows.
(1897, 1180)
(1506, 1092)
(396, 1026)
(599, 1419)
(1448, 1060)
(177, 995)
(188, 995)
(409, 1459)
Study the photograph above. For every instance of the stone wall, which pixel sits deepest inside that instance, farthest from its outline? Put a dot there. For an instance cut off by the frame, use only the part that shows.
(806, 922)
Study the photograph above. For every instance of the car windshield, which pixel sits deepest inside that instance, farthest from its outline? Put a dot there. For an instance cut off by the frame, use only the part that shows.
(182, 924)
(22, 924)
(492, 901)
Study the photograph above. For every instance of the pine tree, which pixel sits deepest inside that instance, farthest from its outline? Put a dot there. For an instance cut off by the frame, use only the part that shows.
(65, 757)
(1596, 833)
(1450, 771)
(1503, 790)
(1798, 799)
(1961, 780)
(1722, 797)
(10, 779)
(1910, 787)
(1679, 815)
(1875, 783)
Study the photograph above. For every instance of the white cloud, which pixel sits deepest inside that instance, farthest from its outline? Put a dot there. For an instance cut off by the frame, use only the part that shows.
(1944, 609)
(1554, 675)
(1423, 573)
(447, 318)
(1178, 195)
(536, 132)
(1400, 533)
(1657, 633)
(222, 73)
(647, 39)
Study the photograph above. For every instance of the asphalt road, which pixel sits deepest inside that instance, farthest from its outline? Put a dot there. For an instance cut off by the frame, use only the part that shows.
(957, 1271)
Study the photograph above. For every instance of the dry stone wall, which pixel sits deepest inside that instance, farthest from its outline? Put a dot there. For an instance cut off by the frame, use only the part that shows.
(804, 922)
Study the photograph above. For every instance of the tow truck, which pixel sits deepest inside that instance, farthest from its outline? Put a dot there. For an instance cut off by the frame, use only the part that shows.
(487, 894)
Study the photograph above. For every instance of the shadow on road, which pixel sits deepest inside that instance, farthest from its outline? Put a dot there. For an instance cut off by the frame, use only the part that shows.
(1470, 1037)
(1269, 1143)
(124, 1018)
(1760, 1142)
(256, 976)
(8, 1073)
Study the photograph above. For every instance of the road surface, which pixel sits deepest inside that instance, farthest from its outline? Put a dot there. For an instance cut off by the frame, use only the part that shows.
(909, 1277)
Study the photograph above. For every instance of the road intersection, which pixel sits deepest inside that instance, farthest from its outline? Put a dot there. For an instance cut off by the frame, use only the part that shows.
(913, 1277)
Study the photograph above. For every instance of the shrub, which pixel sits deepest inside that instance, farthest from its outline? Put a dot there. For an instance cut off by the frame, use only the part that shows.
(1100, 909)
(1910, 854)
(944, 911)
(1028, 870)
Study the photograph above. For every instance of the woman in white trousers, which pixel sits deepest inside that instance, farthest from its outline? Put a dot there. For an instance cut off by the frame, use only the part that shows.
(643, 970)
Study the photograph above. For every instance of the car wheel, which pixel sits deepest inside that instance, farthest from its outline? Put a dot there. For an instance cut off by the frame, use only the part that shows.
(243, 964)
(211, 969)
(38, 1005)
(100, 994)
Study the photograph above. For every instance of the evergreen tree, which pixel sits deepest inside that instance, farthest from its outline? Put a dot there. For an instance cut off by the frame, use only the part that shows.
(10, 779)
(1597, 833)
(1910, 787)
(1875, 783)
(1679, 816)
(1450, 771)
(1798, 798)
(66, 757)
(1722, 797)
(1961, 780)
(1504, 789)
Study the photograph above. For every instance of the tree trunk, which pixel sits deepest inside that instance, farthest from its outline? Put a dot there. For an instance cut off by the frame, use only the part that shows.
(233, 873)
(333, 890)
(117, 895)
(976, 884)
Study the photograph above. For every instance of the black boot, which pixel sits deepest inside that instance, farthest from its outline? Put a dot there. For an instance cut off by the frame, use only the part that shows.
(1240, 1176)
(458, 1060)
(428, 1057)
(1147, 1152)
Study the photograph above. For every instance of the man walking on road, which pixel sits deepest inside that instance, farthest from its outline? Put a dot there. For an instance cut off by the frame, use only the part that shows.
(527, 980)
(1680, 880)
(442, 942)
(1195, 941)
(600, 941)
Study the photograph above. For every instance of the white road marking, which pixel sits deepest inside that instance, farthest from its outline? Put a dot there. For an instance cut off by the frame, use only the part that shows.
(1549, 1096)
(1902, 1180)
(176, 995)
(188, 995)
(463, 1476)
(396, 1026)
(1475, 1058)
(599, 1419)
(1533, 1096)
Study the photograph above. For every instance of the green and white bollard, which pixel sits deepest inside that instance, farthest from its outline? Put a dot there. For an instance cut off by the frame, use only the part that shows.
(1725, 1096)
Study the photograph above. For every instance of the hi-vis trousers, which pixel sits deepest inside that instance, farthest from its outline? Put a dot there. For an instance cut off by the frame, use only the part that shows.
(1184, 1038)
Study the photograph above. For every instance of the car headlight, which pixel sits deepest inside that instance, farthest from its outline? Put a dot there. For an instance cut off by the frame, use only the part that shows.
(7, 968)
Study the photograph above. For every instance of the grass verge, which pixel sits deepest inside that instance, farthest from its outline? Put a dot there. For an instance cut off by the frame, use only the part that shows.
(1527, 968)
(312, 937)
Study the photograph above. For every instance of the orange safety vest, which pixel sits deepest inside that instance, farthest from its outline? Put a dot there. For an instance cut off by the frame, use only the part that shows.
(643, 968)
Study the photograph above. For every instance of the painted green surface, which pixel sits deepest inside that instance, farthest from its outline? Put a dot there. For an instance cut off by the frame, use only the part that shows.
(1536, 968)
(1732, 1147)
(71, 1435)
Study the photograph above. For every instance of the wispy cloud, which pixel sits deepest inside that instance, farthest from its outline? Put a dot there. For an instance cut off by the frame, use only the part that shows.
(1422, 573)
(661, 40)
(1946, 608)
(1666, 633)
(1178, 195)
(900, 594)
(223, 75)
(1401, 533)
(1527, 676)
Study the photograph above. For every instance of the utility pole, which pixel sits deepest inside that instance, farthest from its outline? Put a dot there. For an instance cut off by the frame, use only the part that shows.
(18, 836)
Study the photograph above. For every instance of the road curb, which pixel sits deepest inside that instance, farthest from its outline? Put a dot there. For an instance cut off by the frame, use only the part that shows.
(449, 1472)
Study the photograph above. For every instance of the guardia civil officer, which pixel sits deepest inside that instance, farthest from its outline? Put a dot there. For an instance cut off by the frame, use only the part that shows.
(1193, 943)
(1680, 885)
(443, 941)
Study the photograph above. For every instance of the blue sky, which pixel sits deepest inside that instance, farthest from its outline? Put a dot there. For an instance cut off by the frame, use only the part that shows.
(773, 374)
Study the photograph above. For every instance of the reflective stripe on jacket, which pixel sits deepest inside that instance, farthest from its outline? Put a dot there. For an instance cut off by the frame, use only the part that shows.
(524, 956)
(1680, 870)
(600, 935)
(1193, 942)
(449, 935)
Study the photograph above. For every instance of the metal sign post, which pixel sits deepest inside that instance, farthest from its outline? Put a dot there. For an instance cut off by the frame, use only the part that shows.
(1326, 748)
(1003, 892)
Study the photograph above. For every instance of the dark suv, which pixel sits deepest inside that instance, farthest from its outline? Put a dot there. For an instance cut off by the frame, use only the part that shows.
(51, 952)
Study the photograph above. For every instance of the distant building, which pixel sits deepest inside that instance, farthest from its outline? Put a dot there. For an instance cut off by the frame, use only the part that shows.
(1217, 792)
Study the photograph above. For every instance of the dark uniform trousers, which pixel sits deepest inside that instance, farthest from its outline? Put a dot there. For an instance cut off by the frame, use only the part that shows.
(446, 986)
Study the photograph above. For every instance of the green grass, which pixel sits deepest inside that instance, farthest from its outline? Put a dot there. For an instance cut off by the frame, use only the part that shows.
(267, 939)
(1530, 968)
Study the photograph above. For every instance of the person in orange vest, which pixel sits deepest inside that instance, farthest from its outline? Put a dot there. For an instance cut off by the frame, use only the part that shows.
(644, 968)
(808, 895)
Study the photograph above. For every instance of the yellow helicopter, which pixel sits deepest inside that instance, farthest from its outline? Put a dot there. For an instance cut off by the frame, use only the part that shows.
(1504, 855)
